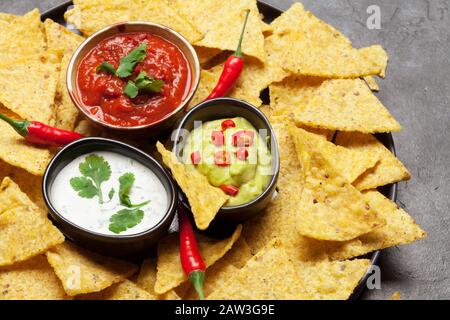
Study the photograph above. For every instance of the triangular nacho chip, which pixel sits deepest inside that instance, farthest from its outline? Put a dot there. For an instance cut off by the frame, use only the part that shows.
(348, 163)
(339, 104)
(82, 271)
(170, 273)
(125, 290)
(21, 36)
(371, 83)
(204, 199)
(330, 207)
(24, 231)
(28, 86)
(388, 170)
(313, 48)
(90, 16)
(147, 279)
(221, 23)
(33, 279)
(60, 38)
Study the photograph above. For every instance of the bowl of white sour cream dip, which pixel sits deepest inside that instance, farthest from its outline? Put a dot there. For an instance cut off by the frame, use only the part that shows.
(109, 197)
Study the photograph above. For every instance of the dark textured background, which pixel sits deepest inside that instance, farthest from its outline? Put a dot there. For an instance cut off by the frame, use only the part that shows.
(416, 34)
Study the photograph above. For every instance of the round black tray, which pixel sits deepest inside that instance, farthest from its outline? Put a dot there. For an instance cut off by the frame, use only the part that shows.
(271, 12)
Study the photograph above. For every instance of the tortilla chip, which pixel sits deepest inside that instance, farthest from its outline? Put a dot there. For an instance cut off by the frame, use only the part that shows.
(206, 54)
(21, 37)
(15, 151)
(82, 271)
(313, 48)
(400, 229)
(221, 23)
(371, 83)
(339, 104)
(334, 280)
(66, 111)
(170, 273)
(30, 184)
(125, 290)
(395, 296)
(147, 279)
(270, 275)
(204, 199)
(24, 231)
(90, 16)
(35, 98)
(348, 163)
(330, 207)
(33, 279)
(60, 38)
(388, 170)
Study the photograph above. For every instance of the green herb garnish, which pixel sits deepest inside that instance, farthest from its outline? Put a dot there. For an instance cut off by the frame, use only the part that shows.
(131, 90)
(142, 83)
(125, 219)
(128, 62)
(105, 66)
(95, 171)
(126, 182)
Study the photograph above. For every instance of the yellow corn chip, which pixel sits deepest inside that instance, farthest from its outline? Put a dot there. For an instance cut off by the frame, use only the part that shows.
(221, 23)
(147, 279)
(170, 273)
(92, 15)
(15, 151)
(28, 183)
(313, 48)
(206, 54)
(388, 170)
(61, 38)
(21, 37)
(340, 104)
(82, 271)
(330, 207)
(372, 83)
(125, 290)
(24, 231)
(347, 162)
(33, 279)
(35, 99)
(204, 199)
(395, 296)
(400, 229)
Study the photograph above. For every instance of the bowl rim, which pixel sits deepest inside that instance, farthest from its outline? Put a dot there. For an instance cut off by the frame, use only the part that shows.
(273, 144)
(72, 87)
(171, 208)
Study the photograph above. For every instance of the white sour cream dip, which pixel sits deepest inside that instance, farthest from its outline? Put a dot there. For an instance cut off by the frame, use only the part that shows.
(90, 214)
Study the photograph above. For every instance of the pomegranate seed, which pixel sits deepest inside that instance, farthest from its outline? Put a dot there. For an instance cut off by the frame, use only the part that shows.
(230, 190)
(228, 124)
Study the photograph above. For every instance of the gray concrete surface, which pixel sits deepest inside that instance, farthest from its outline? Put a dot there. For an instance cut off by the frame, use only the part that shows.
(416, 34)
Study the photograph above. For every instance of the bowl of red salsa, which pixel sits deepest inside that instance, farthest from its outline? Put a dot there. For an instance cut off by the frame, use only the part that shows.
(135, 77)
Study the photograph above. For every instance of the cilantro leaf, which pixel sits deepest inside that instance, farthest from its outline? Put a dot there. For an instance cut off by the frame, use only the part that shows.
(98, 170)
(84, 187)
(126, 182)
(111, 193)
(125, 219)
(105, 66)
(148, 84)
(131, 90)
(128, 62)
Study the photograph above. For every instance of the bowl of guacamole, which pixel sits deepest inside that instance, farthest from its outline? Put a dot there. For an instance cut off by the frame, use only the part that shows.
(233, 145)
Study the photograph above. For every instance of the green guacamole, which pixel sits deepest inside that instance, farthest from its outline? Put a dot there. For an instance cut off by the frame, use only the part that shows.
(234, 157)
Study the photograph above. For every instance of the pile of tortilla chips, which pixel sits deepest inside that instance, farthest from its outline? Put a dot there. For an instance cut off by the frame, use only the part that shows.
(305, 245)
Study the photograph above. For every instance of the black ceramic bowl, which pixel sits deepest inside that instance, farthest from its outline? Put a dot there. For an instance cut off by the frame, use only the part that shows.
(126, 246)
(229, 108)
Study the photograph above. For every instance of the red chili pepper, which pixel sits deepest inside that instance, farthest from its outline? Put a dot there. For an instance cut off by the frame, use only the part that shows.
(196, 157)
(242, 154)
(222, 158)
(243, 138)
(190, 256)
(228, 124)
(42, 134)
(217, 137)
(228, 189)
(231, 70)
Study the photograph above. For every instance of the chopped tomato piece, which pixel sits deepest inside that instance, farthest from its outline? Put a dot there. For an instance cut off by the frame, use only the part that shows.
(217, 137)
(222, 158)
(228, 124)
(196, 157)
(242, 154)
(230, 190)
(243, 138)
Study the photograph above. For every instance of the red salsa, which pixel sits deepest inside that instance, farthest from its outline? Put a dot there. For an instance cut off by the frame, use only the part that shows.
(102, 92)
